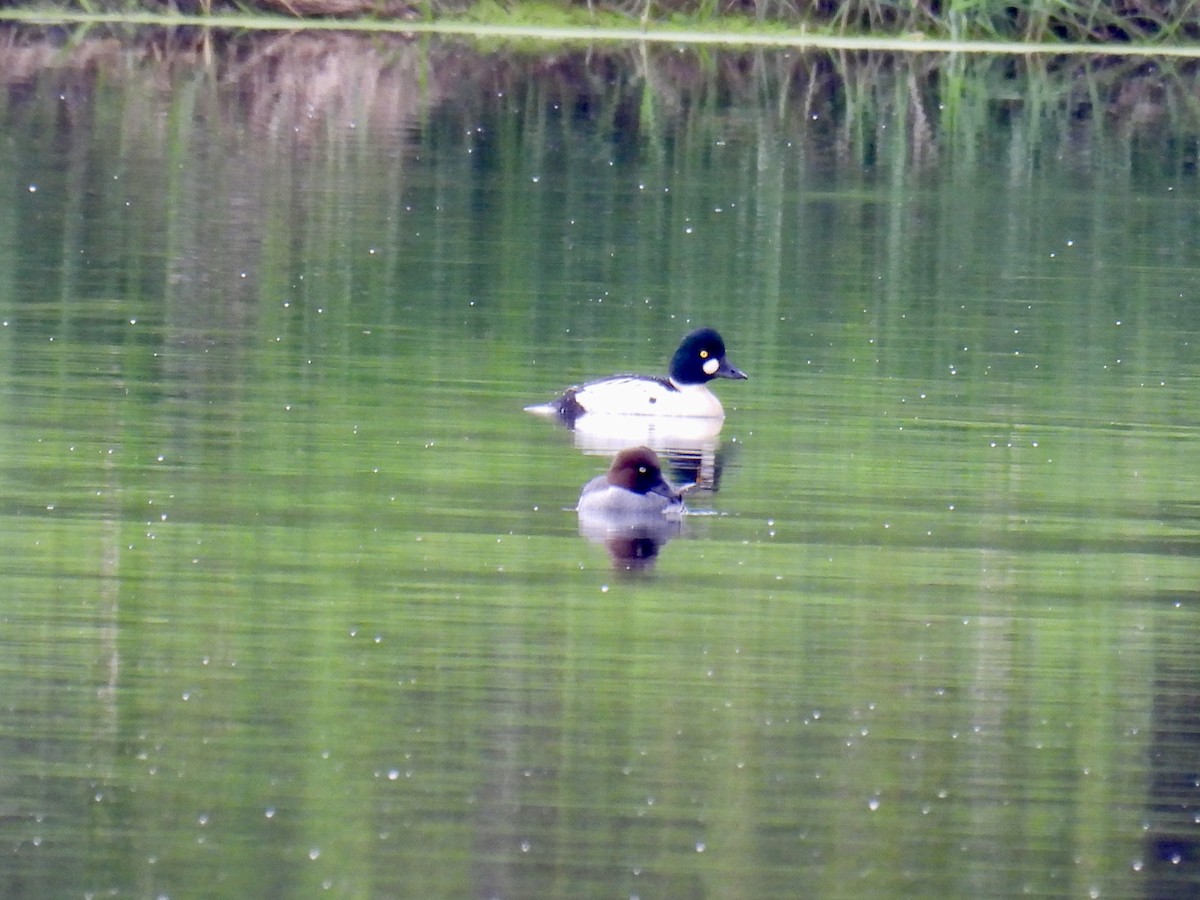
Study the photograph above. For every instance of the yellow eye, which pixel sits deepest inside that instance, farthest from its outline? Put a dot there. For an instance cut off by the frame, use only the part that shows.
(641, 470)
(704, 354)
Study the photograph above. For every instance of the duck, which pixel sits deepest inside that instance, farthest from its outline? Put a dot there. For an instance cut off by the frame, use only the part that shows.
(683, 393)
(632, 491)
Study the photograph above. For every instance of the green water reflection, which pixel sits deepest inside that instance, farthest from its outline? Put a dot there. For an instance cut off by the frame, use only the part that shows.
(295, 598)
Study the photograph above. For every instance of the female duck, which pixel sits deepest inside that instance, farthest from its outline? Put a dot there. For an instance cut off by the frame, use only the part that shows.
(699, 359)
(633, 488)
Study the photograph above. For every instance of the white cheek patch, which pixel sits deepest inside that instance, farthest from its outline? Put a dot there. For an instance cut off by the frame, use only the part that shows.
(710, 366)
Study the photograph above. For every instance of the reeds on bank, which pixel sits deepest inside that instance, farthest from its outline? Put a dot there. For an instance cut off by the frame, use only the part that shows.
(1094, 21)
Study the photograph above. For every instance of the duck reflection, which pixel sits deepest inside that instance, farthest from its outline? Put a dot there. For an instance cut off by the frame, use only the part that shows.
(632, 509)
(689, 448)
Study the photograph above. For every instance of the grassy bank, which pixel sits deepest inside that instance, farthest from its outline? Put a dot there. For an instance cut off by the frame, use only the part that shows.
(1092, 22)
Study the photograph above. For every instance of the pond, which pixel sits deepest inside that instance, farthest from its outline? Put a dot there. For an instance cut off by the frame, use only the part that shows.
(296, 599)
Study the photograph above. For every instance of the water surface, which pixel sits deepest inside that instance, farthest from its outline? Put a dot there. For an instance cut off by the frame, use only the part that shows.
(295, 598)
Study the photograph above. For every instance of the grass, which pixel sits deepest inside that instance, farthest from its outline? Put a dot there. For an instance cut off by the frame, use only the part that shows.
(1094, 22)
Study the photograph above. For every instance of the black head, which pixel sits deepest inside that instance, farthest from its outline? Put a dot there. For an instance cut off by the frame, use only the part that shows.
(701, 358)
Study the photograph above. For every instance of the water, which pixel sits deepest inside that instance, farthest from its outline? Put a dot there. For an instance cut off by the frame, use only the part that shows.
(296, 601)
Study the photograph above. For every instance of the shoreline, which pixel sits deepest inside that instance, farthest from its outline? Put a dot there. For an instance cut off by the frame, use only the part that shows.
(655, 33)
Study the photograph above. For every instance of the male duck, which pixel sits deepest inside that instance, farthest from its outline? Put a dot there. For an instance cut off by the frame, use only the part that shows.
(699, 359)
